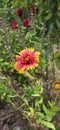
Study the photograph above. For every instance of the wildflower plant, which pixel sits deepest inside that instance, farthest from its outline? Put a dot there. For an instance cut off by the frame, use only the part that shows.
(33, 95)
(31, 25)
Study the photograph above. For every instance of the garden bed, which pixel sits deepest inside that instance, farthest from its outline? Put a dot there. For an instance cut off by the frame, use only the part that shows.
(29, 65)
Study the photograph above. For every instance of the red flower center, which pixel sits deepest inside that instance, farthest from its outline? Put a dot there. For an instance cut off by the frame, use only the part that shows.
(27, 59)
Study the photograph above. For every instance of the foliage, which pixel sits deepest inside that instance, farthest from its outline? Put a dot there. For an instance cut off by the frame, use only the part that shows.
(29, 24)
(36, 109)
(57, 59)
(6, 93)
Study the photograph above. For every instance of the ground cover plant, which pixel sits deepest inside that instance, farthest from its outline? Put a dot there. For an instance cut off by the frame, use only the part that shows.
(29, 53)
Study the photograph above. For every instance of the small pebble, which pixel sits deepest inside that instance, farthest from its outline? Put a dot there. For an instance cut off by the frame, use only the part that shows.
(17, 128)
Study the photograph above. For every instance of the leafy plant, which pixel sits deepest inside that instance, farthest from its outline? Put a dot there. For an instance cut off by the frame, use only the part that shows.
(48, 114)
(36, 109)
(57, 59)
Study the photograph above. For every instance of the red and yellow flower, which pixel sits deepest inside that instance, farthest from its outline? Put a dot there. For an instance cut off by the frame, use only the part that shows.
(27, 59)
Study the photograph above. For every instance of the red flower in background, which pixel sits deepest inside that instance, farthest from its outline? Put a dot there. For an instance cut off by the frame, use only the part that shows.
(26, 22)
(19, 11)
(33, 10)
(14, 25)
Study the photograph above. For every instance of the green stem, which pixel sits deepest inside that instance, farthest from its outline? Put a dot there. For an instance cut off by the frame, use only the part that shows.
(20, 97)
(29, 75)
(56, 97)
(27, 118)
(17, 108)
(17, 94)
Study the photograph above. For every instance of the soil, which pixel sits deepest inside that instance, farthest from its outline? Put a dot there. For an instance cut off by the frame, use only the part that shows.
(13, 120)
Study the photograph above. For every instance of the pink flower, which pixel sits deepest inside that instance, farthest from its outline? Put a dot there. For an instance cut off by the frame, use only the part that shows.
(26, 22)
(32, 10)
(14, 25)
(27, 59)
(19, 11)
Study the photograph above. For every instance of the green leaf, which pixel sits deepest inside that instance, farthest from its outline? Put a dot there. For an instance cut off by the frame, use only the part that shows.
(1, 31)
(48, 124)
(42, 116)
(57, 59)
(58, 23)
(25, 100)
(35, 95)
(1, 77)
(47, 17)
(51, 26)
(49, 117)
(12, 96)
(45, 109)
(8, 79)
(38, 121)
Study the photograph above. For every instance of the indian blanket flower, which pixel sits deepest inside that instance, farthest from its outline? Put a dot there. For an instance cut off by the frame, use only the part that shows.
(19, 11)
(26, 60)
(26, 22)
(14, 25)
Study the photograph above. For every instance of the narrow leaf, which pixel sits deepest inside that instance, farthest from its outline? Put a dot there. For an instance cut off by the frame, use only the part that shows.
(41, 115)
(45, 109)
(48, 124)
